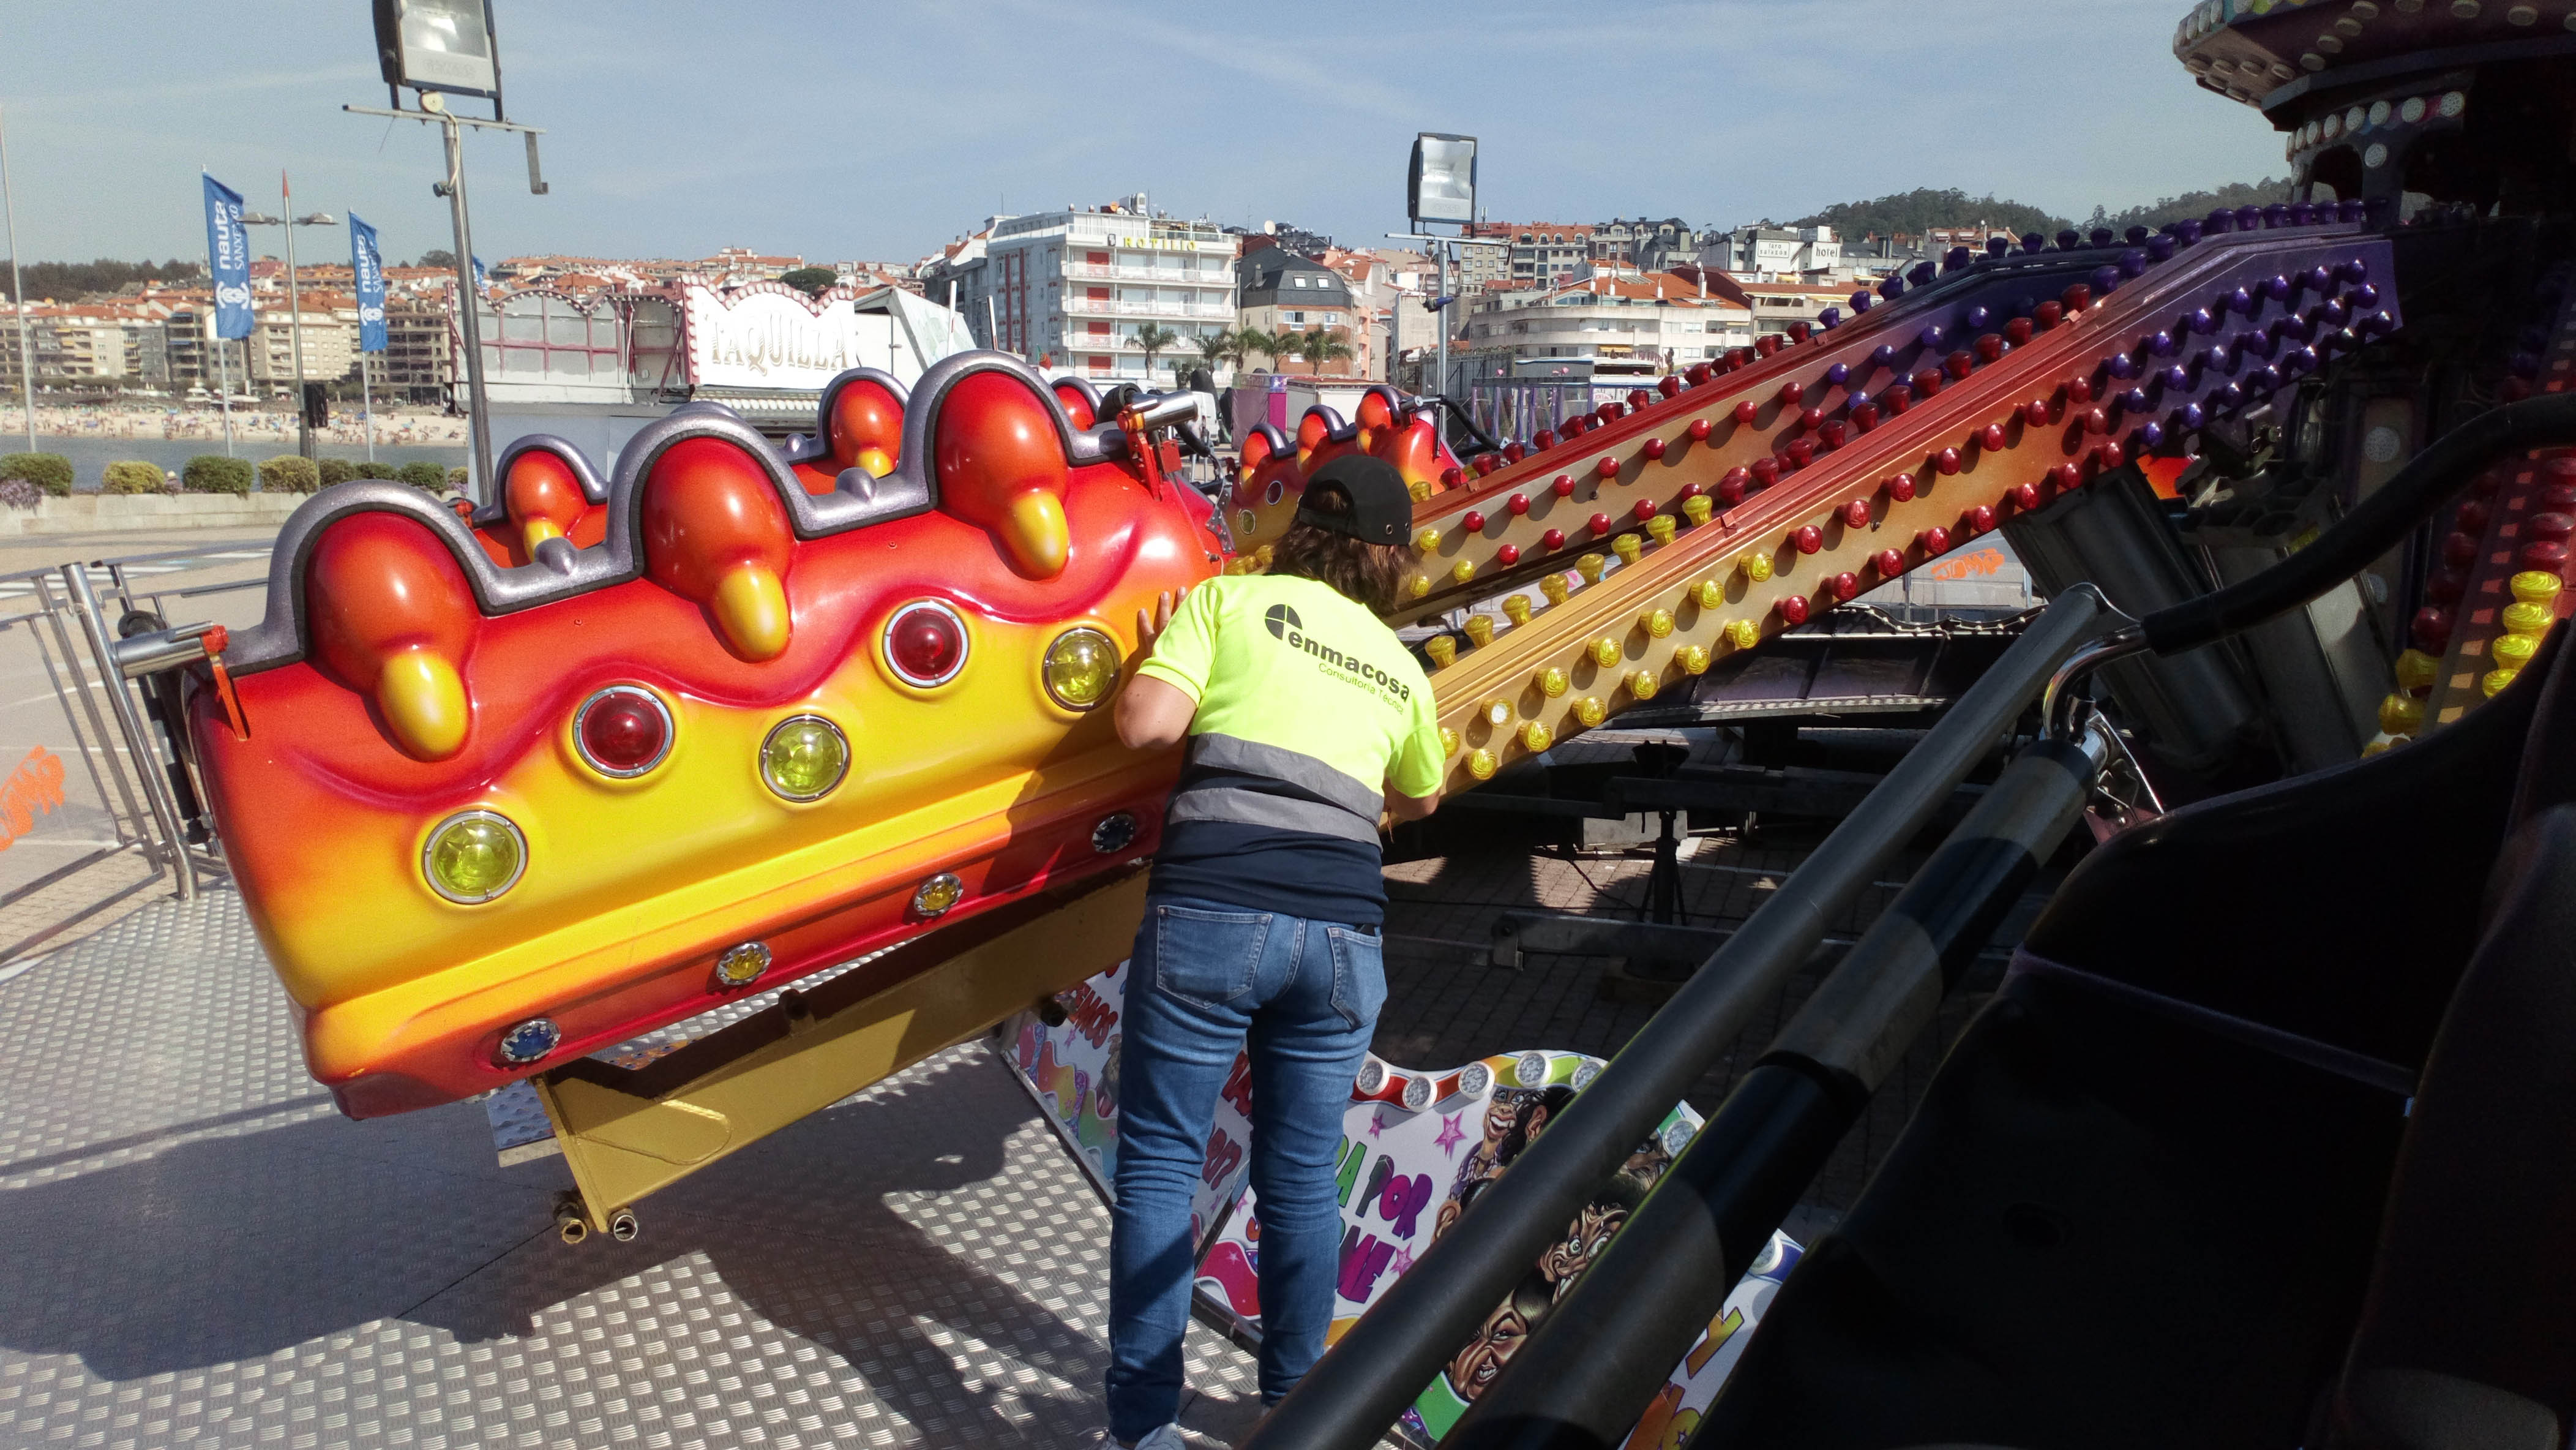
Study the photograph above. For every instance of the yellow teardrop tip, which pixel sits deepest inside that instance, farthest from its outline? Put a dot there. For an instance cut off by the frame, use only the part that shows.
(751, 610)
(879, 463)
(423, 701)
(535, 532)
(1034, 534)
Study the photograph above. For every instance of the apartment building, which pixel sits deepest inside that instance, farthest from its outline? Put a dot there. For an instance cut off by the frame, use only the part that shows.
(1624, 320)
(1533, 254)
(1768, 251)
(1645, 244)
(418, 364)
(1072, 289)
(1280, 291)
(330, 343)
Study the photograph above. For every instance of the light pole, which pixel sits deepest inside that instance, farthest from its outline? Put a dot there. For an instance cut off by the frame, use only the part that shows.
(18, 295)
(294, 302)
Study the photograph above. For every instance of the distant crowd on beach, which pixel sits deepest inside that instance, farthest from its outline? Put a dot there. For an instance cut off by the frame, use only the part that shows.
(393, 427)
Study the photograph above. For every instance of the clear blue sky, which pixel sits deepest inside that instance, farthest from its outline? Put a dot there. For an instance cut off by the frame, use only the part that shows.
(880, 131)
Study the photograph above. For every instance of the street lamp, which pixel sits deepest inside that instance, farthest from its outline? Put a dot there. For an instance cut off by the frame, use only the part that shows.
(294, 301)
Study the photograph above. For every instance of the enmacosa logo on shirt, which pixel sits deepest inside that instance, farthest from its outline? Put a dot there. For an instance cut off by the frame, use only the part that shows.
(1285, 625)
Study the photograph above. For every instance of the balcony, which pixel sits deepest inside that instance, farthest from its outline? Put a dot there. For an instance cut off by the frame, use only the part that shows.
(1095, 272)
(1113, 307)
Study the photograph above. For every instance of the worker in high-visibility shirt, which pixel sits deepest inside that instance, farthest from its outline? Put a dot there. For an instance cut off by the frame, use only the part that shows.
(1306, 719)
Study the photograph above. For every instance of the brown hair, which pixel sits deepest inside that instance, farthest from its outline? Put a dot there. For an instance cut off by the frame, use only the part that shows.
(1370, 575)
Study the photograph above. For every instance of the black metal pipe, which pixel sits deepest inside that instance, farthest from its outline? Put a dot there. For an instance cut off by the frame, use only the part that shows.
(1582, 1379)
(1377, 1368)
(2374, 527)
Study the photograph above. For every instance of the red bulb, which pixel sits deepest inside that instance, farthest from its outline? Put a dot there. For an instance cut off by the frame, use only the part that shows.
(1798, 332)
(1608, 411)
(1669, 387)
(1890, 563)
(2558, 497)
(1794, 609)
(1991, 438)
(1700, 428)
(1644, 510)
(2079, 391)
(1766, 471)
(2034, 414)
(1486, 463)
(1793, 395)
(1812, 419)
(1514, 453)
(1518, 503)
(1833, 433)
(1508, 555)
(1808, 538)
(1926, 382)
(1802, 451)
(1638, 398)
(1959, 364)
(1564, 485)
(2025, 497)
(2066, 476)
(1947, 460)
(1765, 346)
(2546, 555)
(1451, 478)
(2486, 484)
(1474, 522)
(2096, 421)
(2458, 548)
(1747, 414)
(1865, 417)
(623, 731)
(1846, 585)
(1901, 487)
(1545, 439)
(1654, 448)
(1608, 467)
(2076, 298)
(1601, 523)
(1990, 347)
(2471, 517)
(1697, 374)
(2447, 585)
(1692, 490)
(1981, 520)
(2432, 629)
(1552, 540)
(2017, 331)
(2110, 456)
(2551, 526)
(1730, 489)
(1935, 540)
(926, 645)
(2048, 314)
(1856, 514)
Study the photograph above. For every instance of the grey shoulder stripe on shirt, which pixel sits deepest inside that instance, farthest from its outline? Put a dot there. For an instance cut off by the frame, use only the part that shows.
(1306, 772)
(1286, 813)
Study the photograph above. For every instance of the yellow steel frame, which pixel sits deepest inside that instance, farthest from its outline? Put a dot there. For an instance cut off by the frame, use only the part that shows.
(627, 1133)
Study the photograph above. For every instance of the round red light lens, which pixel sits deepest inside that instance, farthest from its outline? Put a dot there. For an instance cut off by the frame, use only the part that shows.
(623, 731)
(926, 644)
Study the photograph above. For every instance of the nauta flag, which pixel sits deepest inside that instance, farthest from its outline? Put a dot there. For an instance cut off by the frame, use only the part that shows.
(228, 259)
(367, 265)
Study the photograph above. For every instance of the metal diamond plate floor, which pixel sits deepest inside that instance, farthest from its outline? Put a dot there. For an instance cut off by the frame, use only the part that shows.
(195, 1250)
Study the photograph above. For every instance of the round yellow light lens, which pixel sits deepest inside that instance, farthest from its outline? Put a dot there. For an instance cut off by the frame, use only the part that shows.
(2416, 670)
(804, 757)
(1590, 567)
(2523, 618)
(1605, 651)
(1757, 567)
(1480, 764)
(1627, 547)
(2401, 715)
(1420, 586)
(1081, 668)
(1551, 682)
(1692, 658)
(1656, 622)
(1443, 650)
(1590, 711)
(1426, 540)
(1661, 526)
(474, 856)
(1480, 629)
(2534, 586)
(1463, 570)
(1697, 508)
(1448, 742)
(1553, 586)
(1743, 633)
(1498, 713)
(1708, 594)
(936, 895)
(1641, 684)
(1535, 736)
(2494, 680)
(1516, 608)
(2513, 651)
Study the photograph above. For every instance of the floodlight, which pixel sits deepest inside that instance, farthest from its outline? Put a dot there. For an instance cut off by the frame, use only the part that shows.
(438, 45)
(1441, 183)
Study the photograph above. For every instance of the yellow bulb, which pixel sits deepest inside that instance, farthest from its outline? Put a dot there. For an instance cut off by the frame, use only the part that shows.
(1757, 567)
(1420, 586)
(2527, 618)
(1081, 668)
(1480, 629)
(2513, 651)
(1463, 570)
(2416, 671)
(804, 757)
(1480, 764)
(935, 896)
(1550, 682)
(1262, 556)
(1692, 658)
(1535, 736)
(2401, 714)
(1697, 508)
(1443, 650)
(2376, 747)
(1498, 713)
(1641, 684)
(1656, 622)
(1426, 539)
(2494, 680)
(1590, 567)
(1743, 633)
(1448, 742)
(1627, 547)
(1707, 594)
(1420, 490)
(1554, 587)
(474, 857)
(1590, 711)
(1516, 608)
(1245, 475)
(1605, 651)
(2535, 586)
(1661, 526)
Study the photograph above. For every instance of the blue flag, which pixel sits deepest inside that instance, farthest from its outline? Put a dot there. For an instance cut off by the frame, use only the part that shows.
(228, 259)
(482, 288)
(368, 266)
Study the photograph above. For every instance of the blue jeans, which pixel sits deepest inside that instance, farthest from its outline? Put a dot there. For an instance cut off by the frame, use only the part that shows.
(1203, 976)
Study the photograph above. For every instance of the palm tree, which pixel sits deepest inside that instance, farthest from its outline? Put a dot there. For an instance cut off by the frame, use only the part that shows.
(1215, 348)
(1248, 341)
(1155, 339)
(1319, 346)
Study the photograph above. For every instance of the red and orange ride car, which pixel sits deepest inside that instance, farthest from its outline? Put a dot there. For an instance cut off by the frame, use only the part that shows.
(606, 754)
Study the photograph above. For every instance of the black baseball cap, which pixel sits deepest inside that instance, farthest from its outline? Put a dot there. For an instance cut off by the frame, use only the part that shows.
(1381, 507)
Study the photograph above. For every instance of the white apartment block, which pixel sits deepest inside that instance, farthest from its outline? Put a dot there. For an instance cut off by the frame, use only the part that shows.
(1625, 321)
(1757, 252)
(1070, 290)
